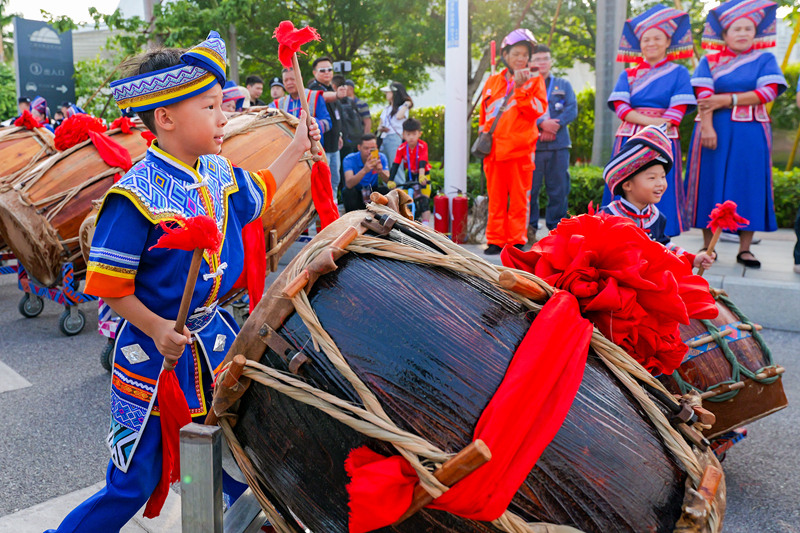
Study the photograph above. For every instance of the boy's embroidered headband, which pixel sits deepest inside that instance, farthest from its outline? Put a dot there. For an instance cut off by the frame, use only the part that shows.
(200, 68)
(649, 145)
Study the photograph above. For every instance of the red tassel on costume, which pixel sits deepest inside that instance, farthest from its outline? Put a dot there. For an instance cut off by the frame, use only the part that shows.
(322, 194)
(75, 130)
(255, 262)
(174, 415)
(290, 39)
(27, 121)
(190, 233)
(123, 123)
(724, 216)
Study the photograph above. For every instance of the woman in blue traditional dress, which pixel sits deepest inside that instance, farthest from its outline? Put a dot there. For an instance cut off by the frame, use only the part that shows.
(654, 92)
(730, 156)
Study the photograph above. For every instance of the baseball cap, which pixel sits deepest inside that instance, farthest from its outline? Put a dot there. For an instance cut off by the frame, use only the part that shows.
(350, 83)
(276, 81)
(387, 88)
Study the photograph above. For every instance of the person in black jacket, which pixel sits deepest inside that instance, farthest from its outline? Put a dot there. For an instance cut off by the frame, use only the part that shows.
(322, 67)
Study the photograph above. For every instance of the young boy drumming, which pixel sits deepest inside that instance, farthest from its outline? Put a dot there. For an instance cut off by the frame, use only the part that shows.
(638, 174)
(178, 97)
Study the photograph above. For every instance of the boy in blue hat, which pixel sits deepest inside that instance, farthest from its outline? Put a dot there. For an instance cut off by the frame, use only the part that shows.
(178, 97)
(638, 175)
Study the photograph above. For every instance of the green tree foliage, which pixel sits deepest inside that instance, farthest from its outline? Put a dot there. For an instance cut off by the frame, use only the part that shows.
(581, 130)
(8, 92)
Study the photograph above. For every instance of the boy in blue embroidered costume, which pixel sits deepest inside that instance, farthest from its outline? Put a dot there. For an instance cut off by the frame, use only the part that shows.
(638, 174)
(178, 97)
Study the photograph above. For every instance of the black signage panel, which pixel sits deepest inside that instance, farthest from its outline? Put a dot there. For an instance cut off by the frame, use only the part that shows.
(43, 60)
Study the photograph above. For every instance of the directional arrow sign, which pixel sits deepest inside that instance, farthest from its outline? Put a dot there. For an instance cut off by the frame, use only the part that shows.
(62, 89)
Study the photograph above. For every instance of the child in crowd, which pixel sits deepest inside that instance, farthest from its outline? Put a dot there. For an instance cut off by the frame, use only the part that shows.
(638, 174)
(232, 97)
(413, 155)
(178, 96)
(41, 113)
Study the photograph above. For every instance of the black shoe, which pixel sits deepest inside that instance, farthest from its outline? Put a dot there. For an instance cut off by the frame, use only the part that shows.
(519, 246)
(492, 249)
(749, 263)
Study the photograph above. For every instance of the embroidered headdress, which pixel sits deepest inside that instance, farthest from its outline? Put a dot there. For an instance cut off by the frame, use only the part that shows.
(719, 19)
(200, 68)
(648, 147)
(231, 91)
(40, 104)
(675, 24)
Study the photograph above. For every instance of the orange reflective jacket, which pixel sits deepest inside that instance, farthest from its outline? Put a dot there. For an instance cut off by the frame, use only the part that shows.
(516, 134)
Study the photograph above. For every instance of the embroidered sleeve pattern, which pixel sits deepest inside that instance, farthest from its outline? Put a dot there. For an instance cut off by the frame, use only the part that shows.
(767, 93)
(675, 114)
(622, 109)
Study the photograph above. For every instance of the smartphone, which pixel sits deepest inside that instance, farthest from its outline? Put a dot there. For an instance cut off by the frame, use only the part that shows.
(374, 154)
(524, 71)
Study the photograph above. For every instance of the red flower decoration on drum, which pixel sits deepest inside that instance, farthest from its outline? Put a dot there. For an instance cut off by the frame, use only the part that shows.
(633, 289)
(27, 121)
(75, 130)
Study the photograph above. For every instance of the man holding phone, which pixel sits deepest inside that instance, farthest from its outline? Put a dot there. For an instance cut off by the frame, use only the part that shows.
(365, 170)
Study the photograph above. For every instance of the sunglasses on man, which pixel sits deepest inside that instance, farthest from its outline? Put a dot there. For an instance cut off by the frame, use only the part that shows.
(328, 69)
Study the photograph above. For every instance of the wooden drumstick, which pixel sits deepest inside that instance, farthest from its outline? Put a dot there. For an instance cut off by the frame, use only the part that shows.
(186, 299)
(460, 466)
(316, 147)
(527, 288)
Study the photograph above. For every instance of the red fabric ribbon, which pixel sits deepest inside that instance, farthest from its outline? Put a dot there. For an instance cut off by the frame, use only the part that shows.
(255, 262)
(632, 288)
(724, 216)
(75, 130)
(290, 39)
(190, 233)
(113, 153)
(381, 488)
(322, 193)
(174, 415)
(27, 121)
(148, 136)
(123, 123)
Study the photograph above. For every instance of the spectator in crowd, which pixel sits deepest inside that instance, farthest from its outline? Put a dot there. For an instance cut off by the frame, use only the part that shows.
(23, 103)
(730, 153)
(413, 155)
(392, 117)
(351, 123)
(322, 68)
(654, 92)
(514, 98)
(364, 172)
(255, 86)
(276, 88)
(41, 113)
(797, 220)
(291, 102)
(552, 149)
(68, 109)
(58, 118)
(363, 107)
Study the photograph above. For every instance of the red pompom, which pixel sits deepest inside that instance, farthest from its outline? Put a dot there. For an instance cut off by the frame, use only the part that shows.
(123, 123)
(290, 39)
(724, 216)
(27, 121)
(75, 130)
(632, 288)
(190, 233)
(148, 136)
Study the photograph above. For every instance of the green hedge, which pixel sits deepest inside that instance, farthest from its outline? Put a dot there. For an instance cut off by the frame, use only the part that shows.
(786, 186)
(581, 130)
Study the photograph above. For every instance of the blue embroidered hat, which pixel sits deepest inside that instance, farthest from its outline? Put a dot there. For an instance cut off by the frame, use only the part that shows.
(648, 146)
(675, 24)
(40, 104)
(200, 68)
(719, 19)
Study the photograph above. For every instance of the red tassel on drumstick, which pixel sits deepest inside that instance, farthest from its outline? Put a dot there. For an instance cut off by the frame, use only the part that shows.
(290, 39)
(722, 217)
(194, 234)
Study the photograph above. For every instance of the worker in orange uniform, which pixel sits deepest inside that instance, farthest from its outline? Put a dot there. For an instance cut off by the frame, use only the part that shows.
(509, 165)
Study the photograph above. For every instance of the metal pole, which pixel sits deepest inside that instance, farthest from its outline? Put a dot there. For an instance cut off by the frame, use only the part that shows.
(201, 479)
(610, 19)
(455, 130)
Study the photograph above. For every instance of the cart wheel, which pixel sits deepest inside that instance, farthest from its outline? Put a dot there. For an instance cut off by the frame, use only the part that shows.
(71, 325)
(107, 354)
(30, 305)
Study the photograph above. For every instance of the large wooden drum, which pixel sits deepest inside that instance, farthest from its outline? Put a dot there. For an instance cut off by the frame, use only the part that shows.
(729, 363)
(21, 150)
(253, 141)
(41, 215)
(433, 345)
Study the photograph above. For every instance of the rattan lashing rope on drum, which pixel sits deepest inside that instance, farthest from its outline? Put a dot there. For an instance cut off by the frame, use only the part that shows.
(373, 421)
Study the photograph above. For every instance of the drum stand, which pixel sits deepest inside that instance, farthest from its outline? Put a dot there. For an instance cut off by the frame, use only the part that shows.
(8, 269)
(201, 487)
(72, 320)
